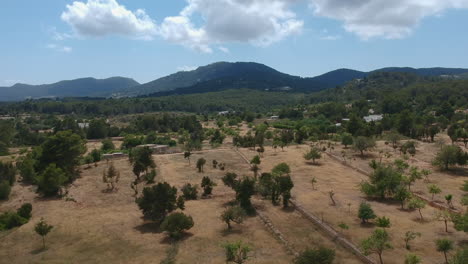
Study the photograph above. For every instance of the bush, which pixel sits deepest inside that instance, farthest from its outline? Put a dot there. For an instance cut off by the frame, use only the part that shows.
(51, 180)
(365, 212)
(25, 211)
(316, 256)
(107, 145)
(176, 223)
(5, 190)
(9, 220)
(190, 191)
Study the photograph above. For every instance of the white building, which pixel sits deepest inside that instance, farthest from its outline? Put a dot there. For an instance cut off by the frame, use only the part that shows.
(373, 118)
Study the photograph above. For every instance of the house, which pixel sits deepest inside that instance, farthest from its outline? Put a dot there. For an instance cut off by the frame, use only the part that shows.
(156, 149)
(223, 113)
(114, 155)
(83, 125)
(373, 118)
(274, 118)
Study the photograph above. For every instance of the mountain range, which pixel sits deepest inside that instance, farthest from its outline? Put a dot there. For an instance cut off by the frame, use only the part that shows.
(213, 77)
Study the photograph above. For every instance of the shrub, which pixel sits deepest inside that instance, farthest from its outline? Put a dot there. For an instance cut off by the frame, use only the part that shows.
(176, 223)
(25, 211)
(235, 214)
(190, 191)
(365, 212)
(316, 256)
(5, 190)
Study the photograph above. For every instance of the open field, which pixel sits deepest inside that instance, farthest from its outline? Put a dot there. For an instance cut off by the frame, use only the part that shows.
(332, 175)
(108, 227)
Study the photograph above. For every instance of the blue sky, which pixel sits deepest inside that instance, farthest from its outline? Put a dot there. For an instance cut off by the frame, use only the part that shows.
(48, 41)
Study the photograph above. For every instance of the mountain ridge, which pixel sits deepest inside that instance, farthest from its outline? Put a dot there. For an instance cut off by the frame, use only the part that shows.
(216, 76)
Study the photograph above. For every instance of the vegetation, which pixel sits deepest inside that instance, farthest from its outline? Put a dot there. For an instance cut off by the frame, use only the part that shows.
(377, 243)
(176, 223)
(444, 246)
(237, 252)
(316, 256)
(234, 214)
(43, 229)
(365, 212)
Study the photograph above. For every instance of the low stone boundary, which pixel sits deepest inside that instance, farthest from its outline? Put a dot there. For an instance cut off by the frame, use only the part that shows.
(427, 200)
(332, 233)
(278, 235)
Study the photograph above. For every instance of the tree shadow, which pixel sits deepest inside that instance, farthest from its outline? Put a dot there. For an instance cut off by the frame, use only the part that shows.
(149, 227)
(456, 171)
(367, 225)
(170, 240)
(232, 231)
(289, 209)
(316, 164)
(38, 250)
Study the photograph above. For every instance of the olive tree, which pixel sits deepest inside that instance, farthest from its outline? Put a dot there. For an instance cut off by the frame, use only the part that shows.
(377, 243)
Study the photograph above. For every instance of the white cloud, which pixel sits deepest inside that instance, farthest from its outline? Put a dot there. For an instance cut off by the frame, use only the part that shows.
(105, 17)
(259, 22)
(330, 37)
(224, 49)
(187, 68)
(389, 19)
(11, 82)
(60, 48)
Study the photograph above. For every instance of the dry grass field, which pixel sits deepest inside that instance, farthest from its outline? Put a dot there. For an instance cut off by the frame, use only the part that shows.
(343, 181)
(102, 227)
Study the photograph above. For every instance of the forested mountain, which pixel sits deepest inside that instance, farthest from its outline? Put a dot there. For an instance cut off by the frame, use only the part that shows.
(211, 78)
(80, 87)
(224, 75)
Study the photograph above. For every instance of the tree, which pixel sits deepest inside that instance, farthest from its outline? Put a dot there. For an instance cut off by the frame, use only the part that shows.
(316, 256)
(449, 155)
(97, 129)
(187, 155)
(460, 257)
(8, 173)
(384, 181)
(409, 236)
(383, 222)
(331, 194)
(285, 184)
(254, 168)
(244, 191)
(402, 195)
(111, 177)
(107, 145)
(43, 229)
(141, 159)
(347, 140)
(434, 189)
(230, 180)
(5, 190)
(190, 191)
(362, 144)
(444, 216)
(412, 259)
(444, 246)
(394, 138)
(200, 163)
(365, 212)
(207, 184)
(51, 180)
(234, 214)
(63, 149)
(448, 199)
(158, 201)
(26, 169)
(255, 160)
(460, 221)
(416, 203)
(176, 223)
(377, 243)
(313, 155)
(215, 164)
(237, 252)
(25, 211)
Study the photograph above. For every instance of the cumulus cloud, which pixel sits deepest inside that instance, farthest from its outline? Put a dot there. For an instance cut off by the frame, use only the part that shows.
(60, 48)
(259, 22)
(389, 19)
(187, 68)
(106, 17)
(224, 49)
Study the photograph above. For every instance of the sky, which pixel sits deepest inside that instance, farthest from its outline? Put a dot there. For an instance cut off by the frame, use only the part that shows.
(51, 40)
